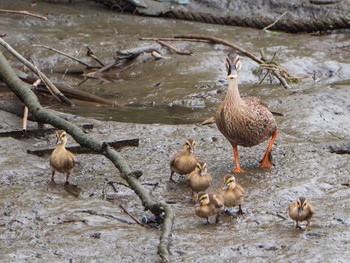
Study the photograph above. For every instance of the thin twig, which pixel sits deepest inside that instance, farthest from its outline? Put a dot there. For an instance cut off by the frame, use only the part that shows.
(48, 87)
(111, 183)
(129, 214)
(25, 118)
(157, 55)
(174, 49)
(36, 71)
(90, 53)
(241, 50)
(107, 67)
(64, 54)
(278, 18)
(93, 212)
(173, 39)
(23, 13)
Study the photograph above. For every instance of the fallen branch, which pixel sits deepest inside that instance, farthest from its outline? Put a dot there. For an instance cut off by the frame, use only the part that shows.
(83, 150)
(134, 218)
(25, 118)
(29, 65)
(216, 40)
(271, 65)
(24, 93)
(64, 54)
(90, 53)
(123, 57)
(23, 13)
(173, 39)
(68, 91)
(26, 133)
(278, 18)
(174, 49)
(135, 52)
(111, 183)
(93, 212)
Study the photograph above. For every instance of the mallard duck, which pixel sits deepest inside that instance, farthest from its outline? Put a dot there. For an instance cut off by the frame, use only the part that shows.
(62, 160)
(184, 161)
(244, 121)
(199, 180)
(208, 205)
(301, 210)
(232, 193)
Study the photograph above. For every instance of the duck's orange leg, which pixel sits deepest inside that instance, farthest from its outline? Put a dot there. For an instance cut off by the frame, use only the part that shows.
(235, 154)
(266, 161)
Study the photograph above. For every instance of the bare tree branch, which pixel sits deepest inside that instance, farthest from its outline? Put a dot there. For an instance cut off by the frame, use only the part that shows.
(279, 72)
(25, 94)
(23, 13)
(64, 54)
(51, 86)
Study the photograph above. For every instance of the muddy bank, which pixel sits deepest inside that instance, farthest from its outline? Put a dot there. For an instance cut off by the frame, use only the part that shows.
(40, 222)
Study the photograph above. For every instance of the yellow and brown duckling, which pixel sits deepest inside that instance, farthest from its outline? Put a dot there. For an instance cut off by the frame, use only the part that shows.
(301, 210)
(244, 121)
(233, 193)
(199, 180)
(184, 162)
(62, 160)
(208, 205)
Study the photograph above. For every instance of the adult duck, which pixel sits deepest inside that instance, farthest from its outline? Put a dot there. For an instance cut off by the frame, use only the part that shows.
(244, 121)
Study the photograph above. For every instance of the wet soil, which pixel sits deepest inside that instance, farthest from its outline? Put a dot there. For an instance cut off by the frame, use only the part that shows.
(41, 222)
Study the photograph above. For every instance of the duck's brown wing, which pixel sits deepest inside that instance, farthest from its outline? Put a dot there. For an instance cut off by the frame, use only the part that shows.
(175, 158)
(253, 102)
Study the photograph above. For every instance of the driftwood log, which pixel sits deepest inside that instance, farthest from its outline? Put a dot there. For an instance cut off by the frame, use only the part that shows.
(24, 93)
(116, 145)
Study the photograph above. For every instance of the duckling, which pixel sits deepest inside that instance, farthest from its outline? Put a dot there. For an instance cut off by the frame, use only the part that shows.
(62, 160)
(208, 205)
(244, 121)
(301, 210)
(199, 180)
(232, 193)
(184, 162)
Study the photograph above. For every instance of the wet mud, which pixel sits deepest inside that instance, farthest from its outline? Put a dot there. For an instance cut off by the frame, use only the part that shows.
(41, 222)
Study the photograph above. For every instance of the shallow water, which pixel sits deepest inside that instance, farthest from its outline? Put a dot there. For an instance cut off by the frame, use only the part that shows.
(40, 222)
(177, 89)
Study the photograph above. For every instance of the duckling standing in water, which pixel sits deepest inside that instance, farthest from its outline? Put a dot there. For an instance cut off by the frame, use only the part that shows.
(244, 121)
(199, 180)
(232, 193)
(184, 162)
(62, 160)
(301, 210)
(208, 205)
